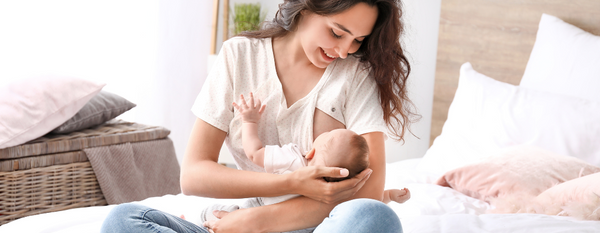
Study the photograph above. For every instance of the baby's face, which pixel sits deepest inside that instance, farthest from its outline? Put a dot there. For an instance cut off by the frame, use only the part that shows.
(329, 146)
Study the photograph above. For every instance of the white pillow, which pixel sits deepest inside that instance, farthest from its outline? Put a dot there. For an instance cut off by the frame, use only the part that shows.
(31, 108)
(487, 115)
(565, 60)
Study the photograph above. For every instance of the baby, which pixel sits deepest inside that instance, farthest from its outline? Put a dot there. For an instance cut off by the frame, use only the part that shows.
(336, 148)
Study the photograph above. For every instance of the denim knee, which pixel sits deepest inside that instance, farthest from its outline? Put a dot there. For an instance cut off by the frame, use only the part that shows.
(127, 210)
(120, 216)
(358, 208)
(361, 215)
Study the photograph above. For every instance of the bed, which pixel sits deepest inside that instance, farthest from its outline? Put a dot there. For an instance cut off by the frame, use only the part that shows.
(504, 158)
(432, 208)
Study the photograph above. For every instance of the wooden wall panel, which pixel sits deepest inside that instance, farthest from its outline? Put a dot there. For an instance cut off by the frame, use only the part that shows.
(496, 36)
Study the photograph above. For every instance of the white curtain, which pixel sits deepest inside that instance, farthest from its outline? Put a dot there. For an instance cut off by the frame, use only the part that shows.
(152, 52)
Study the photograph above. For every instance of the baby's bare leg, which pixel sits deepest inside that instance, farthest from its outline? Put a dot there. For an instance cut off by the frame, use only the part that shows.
(397, 195)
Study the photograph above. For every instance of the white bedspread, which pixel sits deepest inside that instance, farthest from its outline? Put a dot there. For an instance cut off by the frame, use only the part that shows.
(431, 208)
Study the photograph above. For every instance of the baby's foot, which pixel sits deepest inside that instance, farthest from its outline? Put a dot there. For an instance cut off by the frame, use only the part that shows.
(400, 195)
(208, 213)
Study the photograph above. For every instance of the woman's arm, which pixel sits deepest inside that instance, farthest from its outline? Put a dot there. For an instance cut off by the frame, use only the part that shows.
(199, 169)
(376, 183)
(303, 212)
(201, 175)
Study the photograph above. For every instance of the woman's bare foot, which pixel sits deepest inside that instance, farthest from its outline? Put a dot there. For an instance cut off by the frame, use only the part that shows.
(397, 195)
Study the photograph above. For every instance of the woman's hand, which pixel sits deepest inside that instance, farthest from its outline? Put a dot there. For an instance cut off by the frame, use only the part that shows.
(231, 223)
(309, 182)
(306, 181)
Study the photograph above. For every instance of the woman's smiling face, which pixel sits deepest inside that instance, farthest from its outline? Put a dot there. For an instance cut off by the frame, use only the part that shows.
(325, 38)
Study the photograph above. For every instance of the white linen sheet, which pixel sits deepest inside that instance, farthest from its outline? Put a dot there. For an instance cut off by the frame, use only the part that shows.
(432, 208)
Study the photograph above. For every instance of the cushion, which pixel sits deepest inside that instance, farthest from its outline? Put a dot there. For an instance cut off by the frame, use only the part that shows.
(578, 197)
(564, 59)
(487, 115)
(102, 107)
(519, 170)
(33, 107)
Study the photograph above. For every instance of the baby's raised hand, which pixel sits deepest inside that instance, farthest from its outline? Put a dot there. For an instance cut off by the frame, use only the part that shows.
(251, 110)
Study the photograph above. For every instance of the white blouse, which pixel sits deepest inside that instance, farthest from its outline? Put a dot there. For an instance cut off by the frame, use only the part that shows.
(345, 92)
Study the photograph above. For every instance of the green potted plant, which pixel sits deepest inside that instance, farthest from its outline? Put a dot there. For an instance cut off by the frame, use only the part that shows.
(247, 17)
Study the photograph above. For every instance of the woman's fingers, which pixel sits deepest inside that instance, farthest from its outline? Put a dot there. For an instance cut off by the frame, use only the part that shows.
(310, 183)
(209, 224)
(359, 180)
(335, 172)
(232, 222)
(347, 188)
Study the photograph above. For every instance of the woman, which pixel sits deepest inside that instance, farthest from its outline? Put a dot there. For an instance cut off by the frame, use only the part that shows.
(320, 65)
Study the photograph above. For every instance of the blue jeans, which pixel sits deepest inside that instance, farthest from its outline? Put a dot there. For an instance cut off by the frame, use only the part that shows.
(359, 215)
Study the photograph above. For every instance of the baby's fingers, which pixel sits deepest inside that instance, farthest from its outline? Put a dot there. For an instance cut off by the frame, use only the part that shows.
(243, 101)
(236, 106)
(252, 100)
(262, 109)
(258, 103)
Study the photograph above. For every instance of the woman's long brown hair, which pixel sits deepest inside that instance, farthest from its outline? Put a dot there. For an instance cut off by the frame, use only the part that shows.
(381, 51)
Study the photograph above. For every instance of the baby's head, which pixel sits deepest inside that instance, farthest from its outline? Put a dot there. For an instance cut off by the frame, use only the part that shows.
(340, 148)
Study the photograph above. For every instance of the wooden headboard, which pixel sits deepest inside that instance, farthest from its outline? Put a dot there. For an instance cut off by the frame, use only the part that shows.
(496, 36)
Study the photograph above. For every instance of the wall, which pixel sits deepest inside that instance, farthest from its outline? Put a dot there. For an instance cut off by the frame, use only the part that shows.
(183, 43)
(422, 24)
(97, 40)
(152, 52)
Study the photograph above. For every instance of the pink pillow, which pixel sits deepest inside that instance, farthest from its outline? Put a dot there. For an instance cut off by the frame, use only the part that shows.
(578, 198)
(31, 108)
(519, 170)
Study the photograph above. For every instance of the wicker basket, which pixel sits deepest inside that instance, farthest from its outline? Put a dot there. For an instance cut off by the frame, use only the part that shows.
(48, 189)
(52, 173)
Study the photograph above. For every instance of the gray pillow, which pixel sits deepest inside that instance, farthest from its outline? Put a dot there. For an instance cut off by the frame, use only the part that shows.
(101, 108)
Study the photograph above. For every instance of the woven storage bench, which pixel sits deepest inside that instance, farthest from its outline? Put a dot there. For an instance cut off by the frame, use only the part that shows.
(52, 173)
